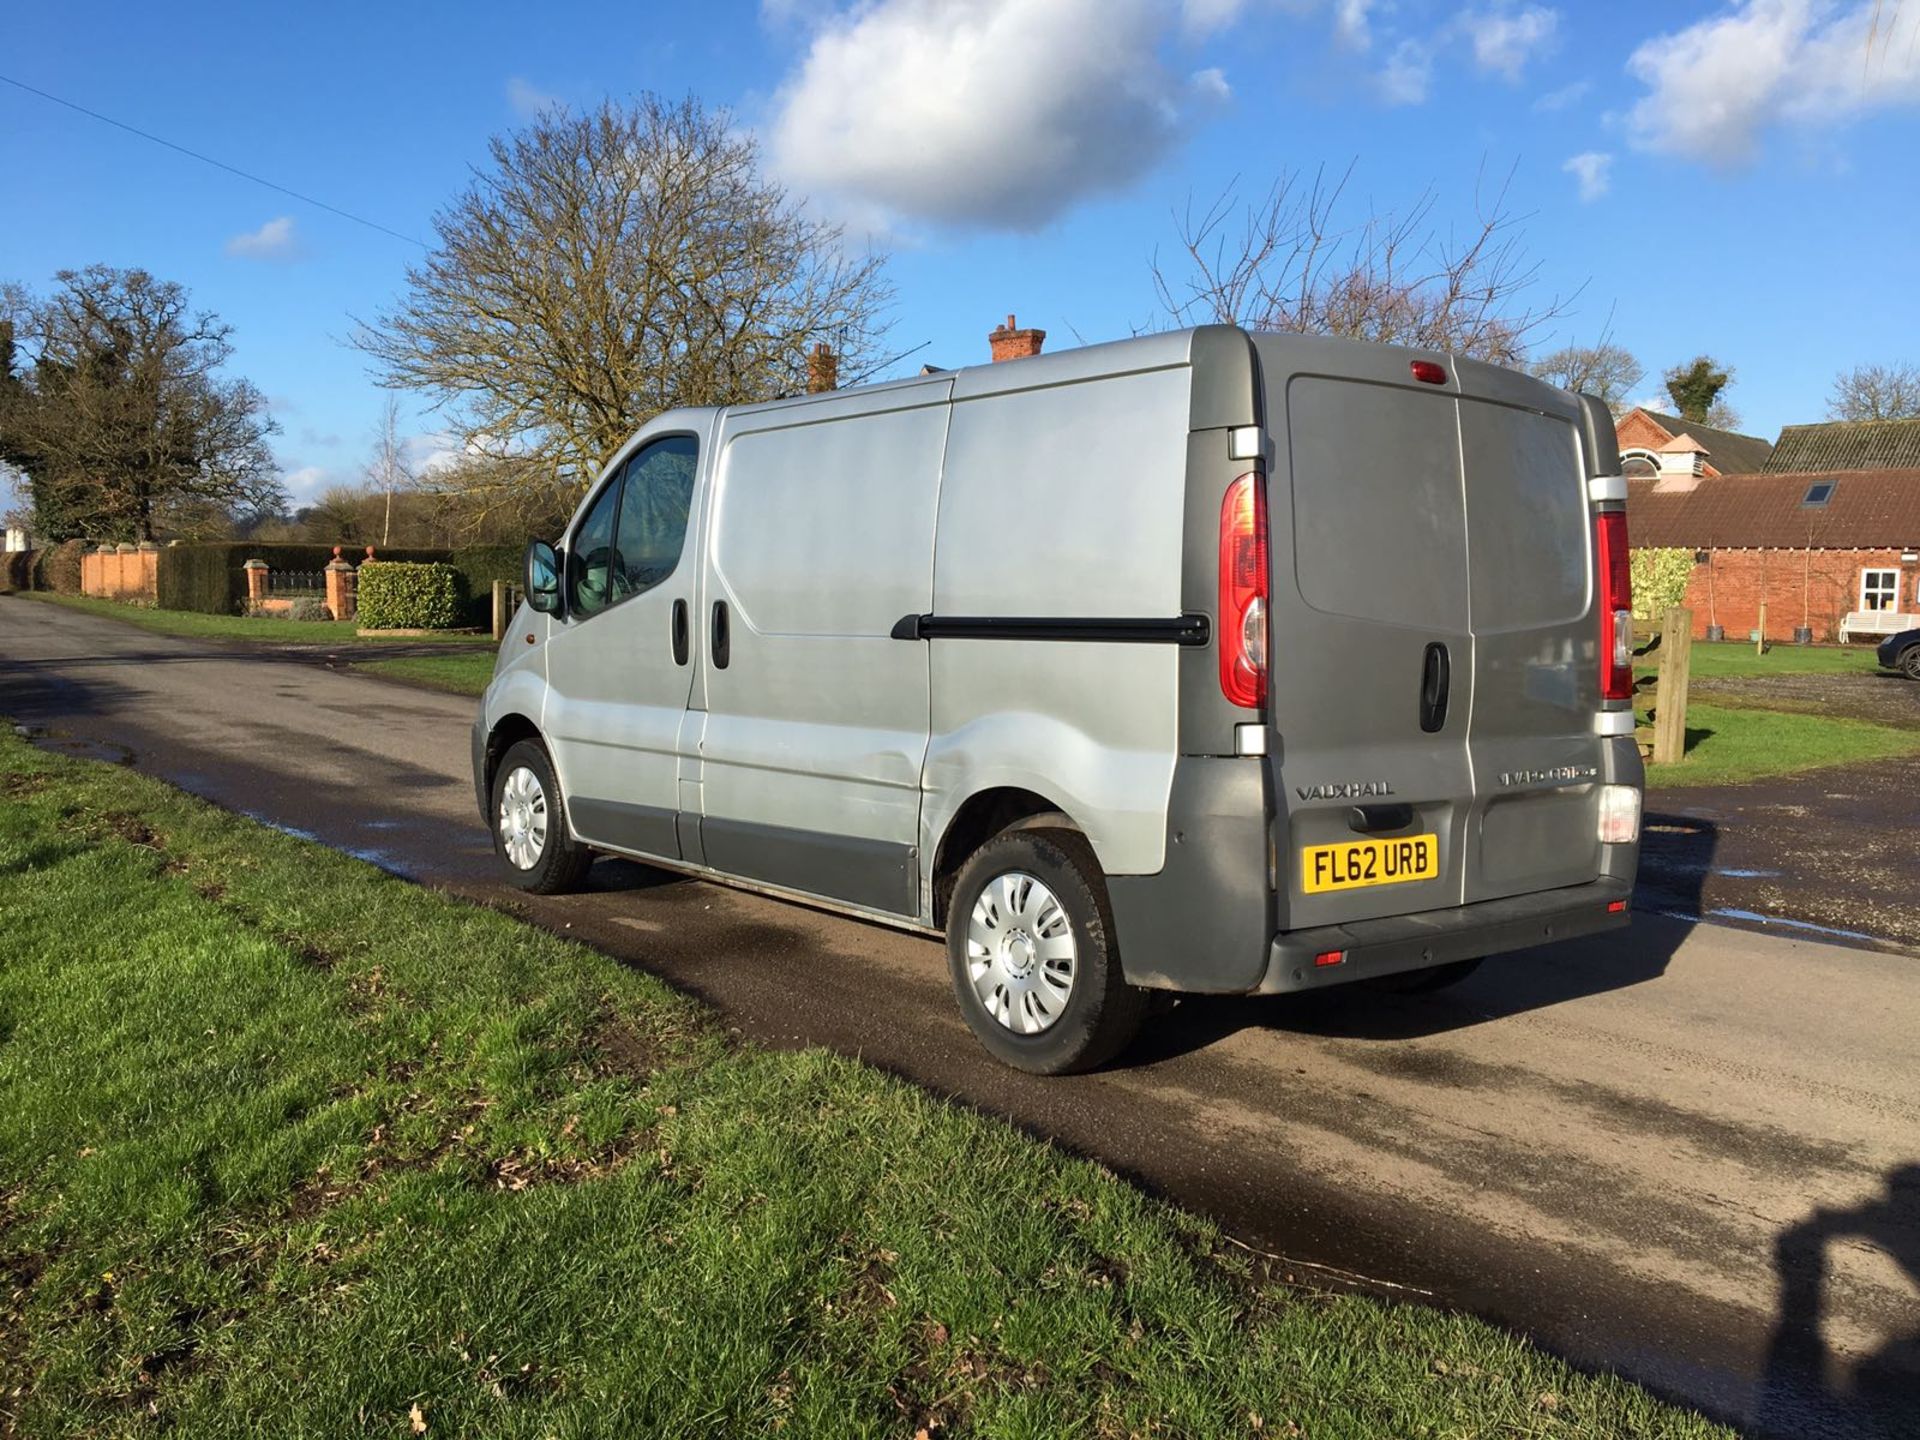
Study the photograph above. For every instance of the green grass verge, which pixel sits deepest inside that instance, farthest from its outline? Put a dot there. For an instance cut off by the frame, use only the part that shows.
(459, 674)
(1728, 744)
(234, 627)
(1730, 659)
(290, 1147)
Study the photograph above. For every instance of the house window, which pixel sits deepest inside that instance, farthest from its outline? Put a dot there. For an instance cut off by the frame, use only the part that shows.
(1879, 589)
(1818, 494)
(1639, 464)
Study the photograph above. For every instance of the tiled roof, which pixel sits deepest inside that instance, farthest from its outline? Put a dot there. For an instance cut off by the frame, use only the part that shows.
(1867, 510)
(1729, 452)
(1847, 445)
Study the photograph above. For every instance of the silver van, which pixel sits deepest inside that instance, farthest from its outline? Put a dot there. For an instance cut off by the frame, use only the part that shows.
(1206, 661)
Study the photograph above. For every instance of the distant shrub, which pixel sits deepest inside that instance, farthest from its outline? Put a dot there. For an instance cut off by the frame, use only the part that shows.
(397, 595)
(16, 570)
(1660, 577)
(309, 607)
(58, 567)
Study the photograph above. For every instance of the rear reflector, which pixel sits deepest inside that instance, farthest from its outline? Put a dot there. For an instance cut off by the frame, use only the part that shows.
(1616, 907)
(1616, 605)
(1428, 373)
(1619, 814)
(1330, 957)
(1243, 592)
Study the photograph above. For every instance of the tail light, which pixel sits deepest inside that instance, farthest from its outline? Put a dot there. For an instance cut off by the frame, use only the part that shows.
(1616, 606)
(1243, 593)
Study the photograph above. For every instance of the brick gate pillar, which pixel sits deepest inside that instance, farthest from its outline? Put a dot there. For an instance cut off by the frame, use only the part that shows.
(342, 592)
(256, 583)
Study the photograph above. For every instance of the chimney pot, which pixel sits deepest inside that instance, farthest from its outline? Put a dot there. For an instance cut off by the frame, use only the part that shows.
(1011, 343)
(823, 369)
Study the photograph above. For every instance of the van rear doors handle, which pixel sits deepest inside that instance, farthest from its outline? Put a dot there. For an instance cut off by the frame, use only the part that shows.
(721, 649)
(679, 632)
(1435, 680)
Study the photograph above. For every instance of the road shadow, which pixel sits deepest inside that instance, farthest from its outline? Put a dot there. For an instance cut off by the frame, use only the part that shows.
(1680, 847)
(1800, 1391)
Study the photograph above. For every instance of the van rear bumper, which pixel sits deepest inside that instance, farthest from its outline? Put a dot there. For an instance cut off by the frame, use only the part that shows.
(1435, 937)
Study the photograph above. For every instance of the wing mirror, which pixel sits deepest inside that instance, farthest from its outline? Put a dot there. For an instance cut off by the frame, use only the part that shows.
(543, 578)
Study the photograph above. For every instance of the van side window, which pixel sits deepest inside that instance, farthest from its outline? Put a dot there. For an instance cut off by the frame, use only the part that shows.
(590, 558)
(658, 492)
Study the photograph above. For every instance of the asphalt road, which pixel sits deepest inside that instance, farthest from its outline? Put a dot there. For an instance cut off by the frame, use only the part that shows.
(1688, 1152)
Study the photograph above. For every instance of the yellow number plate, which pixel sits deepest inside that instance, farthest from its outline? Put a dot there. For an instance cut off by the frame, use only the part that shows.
(1358, 863)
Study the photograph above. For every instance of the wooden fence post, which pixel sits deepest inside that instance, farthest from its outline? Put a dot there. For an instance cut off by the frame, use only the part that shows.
(499, 609)
(1670, 698)
(1760, 634)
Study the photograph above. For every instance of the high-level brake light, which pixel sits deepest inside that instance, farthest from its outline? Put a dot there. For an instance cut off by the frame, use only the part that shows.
(1616, 606)
(1243, 592)
(1428, 372)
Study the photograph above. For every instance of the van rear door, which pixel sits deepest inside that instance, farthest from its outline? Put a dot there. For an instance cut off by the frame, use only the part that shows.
(1432, 633)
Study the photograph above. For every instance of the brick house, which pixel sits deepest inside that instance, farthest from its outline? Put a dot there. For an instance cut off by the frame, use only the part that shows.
(1825, 530)
(1643, 433)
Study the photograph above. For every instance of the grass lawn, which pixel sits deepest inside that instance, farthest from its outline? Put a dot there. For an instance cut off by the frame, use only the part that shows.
(1727, 744)
(233, 627)
(1729, 658)
(289, 1147)
(460, 674)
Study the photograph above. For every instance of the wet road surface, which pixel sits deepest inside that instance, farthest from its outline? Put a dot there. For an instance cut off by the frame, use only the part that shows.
(1689, 1152)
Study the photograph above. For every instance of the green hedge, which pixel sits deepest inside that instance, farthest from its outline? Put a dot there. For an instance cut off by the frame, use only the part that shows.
(397, 595)
(479, 567)
(57, 568)
(16, 570)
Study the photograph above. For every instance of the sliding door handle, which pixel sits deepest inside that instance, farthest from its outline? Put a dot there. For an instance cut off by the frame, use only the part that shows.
(679, 632)
(721, 648)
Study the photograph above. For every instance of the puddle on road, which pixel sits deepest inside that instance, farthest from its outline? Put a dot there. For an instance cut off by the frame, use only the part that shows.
(74, 747)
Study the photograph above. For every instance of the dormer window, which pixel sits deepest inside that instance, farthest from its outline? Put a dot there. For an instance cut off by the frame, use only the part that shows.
(1639, 464)
(1818, 494)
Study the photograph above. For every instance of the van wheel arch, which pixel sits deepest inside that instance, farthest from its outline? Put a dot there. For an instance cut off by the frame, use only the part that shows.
(508, 732)
(978, 820)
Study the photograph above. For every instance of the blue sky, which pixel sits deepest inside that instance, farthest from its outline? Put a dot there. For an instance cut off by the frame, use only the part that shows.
(1749, 186)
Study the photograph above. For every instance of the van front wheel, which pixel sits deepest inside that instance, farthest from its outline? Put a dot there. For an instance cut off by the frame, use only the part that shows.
(530, 824)
(1030, 946)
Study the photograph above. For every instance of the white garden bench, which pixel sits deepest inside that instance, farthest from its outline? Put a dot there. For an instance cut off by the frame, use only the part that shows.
(1862, 623)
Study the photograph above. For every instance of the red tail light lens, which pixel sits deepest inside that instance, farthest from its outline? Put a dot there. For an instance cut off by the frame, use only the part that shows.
(1428, 373)
(1243, 593)
(1616, 606)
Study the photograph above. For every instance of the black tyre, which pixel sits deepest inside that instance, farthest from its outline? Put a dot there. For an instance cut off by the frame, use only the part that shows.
(1030, 946)
(530, 824)
(1909, 661)
(1425, 982)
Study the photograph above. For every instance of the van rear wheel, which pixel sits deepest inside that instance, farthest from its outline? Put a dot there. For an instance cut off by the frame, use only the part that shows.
(1030, 947)
(530, 824)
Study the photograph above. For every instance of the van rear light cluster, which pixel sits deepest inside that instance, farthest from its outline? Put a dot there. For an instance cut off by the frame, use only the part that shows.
(1616, 606)
(1243, 592)
(1619, 814)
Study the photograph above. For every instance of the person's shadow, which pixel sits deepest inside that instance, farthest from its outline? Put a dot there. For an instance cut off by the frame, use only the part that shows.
(1800, 1394)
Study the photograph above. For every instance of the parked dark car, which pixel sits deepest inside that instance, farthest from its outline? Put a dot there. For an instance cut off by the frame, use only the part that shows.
(1902, 652)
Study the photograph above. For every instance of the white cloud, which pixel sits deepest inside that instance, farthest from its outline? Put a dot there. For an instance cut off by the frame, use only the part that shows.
(1211, 84)
(305, 483)
(1715, 86)
(274, 240)
(1407, 75)
(1594, 170)
(995, 113)
(1564, 97)
(1204, 17)
(1505, 39)
(528, 100)
(1350, 28)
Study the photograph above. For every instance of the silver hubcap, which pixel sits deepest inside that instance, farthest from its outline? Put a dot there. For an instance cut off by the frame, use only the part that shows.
(1020, 953)
(523, 819)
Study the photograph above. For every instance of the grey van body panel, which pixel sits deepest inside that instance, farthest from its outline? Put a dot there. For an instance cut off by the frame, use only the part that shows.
(1204, 921)
(872, 874)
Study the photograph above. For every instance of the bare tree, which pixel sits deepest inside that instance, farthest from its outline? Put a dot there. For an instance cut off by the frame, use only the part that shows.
(1604, 369)
(1290, 262)
(387, 468)
(1876, 392)
(605, 267)
(113, 404)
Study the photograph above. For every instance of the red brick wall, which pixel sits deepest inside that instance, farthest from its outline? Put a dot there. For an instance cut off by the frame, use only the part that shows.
(1822, 592)
(116, 576)
(1637, 432)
